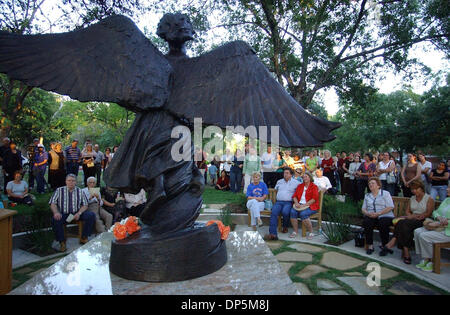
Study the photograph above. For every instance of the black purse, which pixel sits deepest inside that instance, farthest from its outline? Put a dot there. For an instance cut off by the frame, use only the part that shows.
(359, 238)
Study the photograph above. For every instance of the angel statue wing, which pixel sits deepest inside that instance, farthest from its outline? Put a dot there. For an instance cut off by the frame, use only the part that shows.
(230, 86)
(110, 61)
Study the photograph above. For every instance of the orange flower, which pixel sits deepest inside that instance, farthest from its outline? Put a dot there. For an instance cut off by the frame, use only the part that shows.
(120, 231)
(224, 230)
(132, 225)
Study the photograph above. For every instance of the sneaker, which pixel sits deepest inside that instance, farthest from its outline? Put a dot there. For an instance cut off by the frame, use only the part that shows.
(422, 264)
(260, 222)
(428, 267)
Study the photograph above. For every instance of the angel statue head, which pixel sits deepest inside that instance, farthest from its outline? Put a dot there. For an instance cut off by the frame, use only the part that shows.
(176, 29)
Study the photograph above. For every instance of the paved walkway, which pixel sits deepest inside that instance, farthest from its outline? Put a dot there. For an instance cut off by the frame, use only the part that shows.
(314, 267)
(350, 261)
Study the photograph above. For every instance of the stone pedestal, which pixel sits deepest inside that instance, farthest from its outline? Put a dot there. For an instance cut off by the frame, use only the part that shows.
(251, 269)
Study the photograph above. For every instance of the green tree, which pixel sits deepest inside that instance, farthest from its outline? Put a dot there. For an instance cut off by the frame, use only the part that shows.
(313, 45)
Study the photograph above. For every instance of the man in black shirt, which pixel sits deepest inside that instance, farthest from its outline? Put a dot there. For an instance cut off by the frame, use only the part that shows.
(32, 150)
(12, 162)
(3, 149)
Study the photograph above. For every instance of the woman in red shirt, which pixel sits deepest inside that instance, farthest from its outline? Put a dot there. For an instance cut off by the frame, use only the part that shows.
(306, 203)
(223, 183)
(328, 167)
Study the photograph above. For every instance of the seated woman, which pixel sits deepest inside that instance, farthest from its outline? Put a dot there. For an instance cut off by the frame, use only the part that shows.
(257, 192)
(17, 190)
(223, 183)
(103, 219)
(425, 238)
(377, 209)
(135, 204)
(419, 208)
(306, 203)
(113, 203)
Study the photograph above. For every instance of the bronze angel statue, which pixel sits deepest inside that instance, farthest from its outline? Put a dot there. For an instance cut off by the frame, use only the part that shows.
(112, 61)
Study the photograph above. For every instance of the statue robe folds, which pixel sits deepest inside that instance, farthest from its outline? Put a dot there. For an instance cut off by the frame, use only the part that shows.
(144, 161)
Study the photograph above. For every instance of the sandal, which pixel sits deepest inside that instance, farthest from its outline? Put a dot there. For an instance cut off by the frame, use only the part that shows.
(407, 260)
(293, 235)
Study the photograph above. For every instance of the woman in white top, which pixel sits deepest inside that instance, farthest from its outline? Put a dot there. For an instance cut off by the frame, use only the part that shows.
(420, 207)
(353, 167)
(384, 168)
(103, 219)
(377, 210)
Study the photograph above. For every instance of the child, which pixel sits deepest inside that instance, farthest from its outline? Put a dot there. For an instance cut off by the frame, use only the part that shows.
(212, 170)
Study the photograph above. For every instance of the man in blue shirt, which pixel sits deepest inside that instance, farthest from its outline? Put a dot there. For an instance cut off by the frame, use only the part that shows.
(285, 190)
(39, 168)
(257, 192)
(73, 158)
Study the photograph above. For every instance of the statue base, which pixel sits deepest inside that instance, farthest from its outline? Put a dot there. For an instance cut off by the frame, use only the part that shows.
(183, 255)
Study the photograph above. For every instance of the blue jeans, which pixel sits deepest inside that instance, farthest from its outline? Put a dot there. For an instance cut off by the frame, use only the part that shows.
(440, 191)
(235, 181)
(283, 208)
(40, 180)
(88, 219)
(303, 215)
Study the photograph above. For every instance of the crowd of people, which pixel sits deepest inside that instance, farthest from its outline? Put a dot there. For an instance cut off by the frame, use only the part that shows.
(347, 174)
(297, 179)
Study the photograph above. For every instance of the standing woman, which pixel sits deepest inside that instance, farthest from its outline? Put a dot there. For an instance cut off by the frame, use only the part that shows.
(312, 163)
(366, 170)
(108, 158)
(56, 169)
(353, 167)
(329, 167)
(346, 182)
(377, 210)
(236, 171)
(439, 179)
(88, 157)
(278, 165)
(12, 162)
(384, 168)
(411, 171)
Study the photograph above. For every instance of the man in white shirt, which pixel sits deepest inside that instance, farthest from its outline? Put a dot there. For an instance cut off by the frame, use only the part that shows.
(285, 190)
(267, 167)
(323, 182)
(227, 161)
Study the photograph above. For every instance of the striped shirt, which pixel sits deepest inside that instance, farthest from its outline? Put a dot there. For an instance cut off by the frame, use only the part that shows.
(69, 202)
(72, 154)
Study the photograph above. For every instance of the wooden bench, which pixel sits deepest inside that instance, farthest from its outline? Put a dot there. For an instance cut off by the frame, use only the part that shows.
(400, 206)
(273, 197)
(80, 229)
(437, 256)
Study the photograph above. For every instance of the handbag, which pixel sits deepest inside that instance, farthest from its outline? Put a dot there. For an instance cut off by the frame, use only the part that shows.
(432, 225)
(268, 204)
(391, 178)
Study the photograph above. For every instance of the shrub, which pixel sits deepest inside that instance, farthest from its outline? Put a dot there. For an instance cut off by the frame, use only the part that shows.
(337, 230)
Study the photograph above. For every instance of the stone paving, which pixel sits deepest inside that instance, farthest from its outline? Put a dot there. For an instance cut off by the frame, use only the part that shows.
(326, 270)
(314, 268)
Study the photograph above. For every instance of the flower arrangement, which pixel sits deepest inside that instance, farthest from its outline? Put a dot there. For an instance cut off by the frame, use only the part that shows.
(125, 228)
(224, 230)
